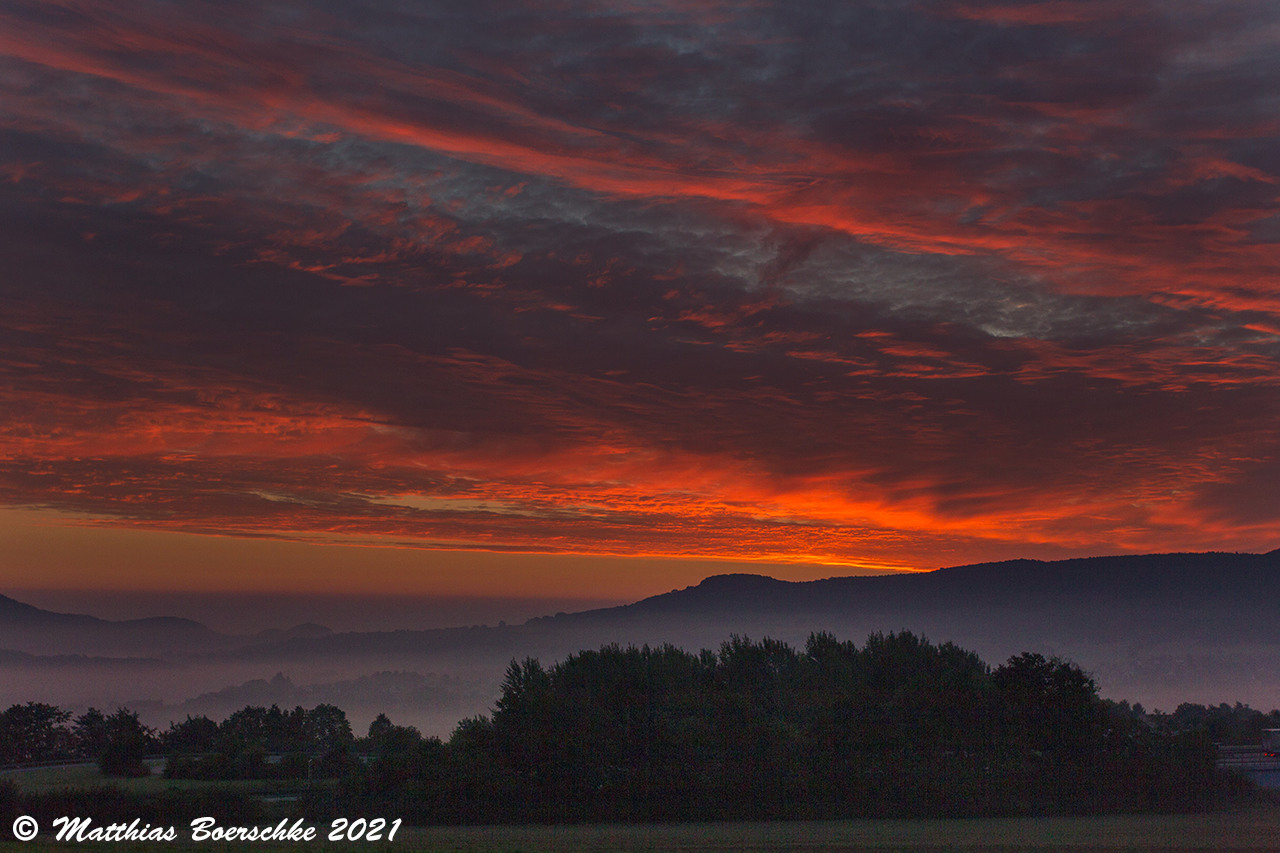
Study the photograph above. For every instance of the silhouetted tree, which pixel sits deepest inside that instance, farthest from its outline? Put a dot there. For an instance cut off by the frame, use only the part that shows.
(193, 735)
(34, 732)
(128, 742)
(91, 733)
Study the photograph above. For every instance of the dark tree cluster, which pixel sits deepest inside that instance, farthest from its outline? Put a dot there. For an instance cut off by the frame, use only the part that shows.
(261, 743)
(36, 732)
(1237, 725)
(756, 730)
(253, 743)
(897, 727)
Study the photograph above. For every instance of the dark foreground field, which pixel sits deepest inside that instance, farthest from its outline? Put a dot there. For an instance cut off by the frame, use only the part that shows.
(1252, 828)
(1256, 828)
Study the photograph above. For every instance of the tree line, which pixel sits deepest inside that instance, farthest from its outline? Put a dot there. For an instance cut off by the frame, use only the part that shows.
(313, 741)
(897, 727)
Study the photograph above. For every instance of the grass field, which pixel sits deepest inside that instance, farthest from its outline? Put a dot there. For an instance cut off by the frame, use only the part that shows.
(1253, 829)
(43, 779)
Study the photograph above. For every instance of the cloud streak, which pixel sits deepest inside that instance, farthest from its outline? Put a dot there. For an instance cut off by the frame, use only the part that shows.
(665, 280)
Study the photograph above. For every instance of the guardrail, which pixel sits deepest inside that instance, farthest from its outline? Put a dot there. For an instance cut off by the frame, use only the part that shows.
(1247, 758)
(66, 762)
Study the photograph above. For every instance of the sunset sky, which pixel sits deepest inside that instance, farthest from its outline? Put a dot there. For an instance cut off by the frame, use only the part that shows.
(602, 298)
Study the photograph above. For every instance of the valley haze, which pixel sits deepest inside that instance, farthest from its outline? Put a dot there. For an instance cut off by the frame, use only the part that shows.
(1158, 629)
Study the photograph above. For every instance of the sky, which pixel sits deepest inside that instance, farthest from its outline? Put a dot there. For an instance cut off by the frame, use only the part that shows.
(596, 299)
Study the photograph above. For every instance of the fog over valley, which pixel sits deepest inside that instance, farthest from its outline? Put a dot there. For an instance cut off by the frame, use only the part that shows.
(1159, 629)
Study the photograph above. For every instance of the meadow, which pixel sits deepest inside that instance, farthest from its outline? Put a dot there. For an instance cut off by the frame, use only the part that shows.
(39, 780)
(1254, 828)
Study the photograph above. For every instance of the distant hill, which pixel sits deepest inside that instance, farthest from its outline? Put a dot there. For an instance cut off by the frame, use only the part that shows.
(30, 629)
(441, 700)
(25, 628)
(1155, 578)
(306, 630)
(1160, 629)
(1213, 597)
(1149, 625)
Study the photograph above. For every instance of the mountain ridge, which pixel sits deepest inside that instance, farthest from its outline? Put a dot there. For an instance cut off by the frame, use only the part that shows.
(1160, 629)
(1173, 576)
(1191, 579)
(149, 636)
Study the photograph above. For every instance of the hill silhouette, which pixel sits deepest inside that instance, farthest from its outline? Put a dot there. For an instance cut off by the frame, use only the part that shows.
(1160, 629)
(25, 628)
(1210, 597)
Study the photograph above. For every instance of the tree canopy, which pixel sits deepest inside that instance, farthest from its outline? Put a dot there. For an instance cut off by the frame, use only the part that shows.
(899, 726)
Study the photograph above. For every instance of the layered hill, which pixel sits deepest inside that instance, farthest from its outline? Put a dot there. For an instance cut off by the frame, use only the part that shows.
(1160, 629)
(29, 629)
